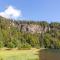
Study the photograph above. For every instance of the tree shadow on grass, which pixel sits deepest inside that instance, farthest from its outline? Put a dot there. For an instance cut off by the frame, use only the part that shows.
(49, 54)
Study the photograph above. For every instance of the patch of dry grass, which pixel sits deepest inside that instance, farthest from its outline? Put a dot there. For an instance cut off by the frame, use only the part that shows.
(15, 54)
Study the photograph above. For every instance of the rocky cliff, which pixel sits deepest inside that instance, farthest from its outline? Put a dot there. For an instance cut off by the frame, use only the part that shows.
(26, 26)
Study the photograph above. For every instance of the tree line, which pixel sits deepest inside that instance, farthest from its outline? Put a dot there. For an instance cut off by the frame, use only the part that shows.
(12, 37)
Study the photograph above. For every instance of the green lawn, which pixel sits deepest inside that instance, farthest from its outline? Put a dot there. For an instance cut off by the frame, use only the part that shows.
(19, 54)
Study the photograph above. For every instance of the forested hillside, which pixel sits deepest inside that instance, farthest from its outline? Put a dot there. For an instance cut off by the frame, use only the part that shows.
(27, 34)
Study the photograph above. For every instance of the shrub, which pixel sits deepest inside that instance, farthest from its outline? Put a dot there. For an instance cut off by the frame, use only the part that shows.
(24, 46)
(10, 45)
(1, 44)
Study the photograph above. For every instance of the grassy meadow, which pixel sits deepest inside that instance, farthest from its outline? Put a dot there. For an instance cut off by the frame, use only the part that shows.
(19, 54)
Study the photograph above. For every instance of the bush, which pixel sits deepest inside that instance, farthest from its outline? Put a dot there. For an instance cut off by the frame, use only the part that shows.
(24, 46)
(1, 44)
(19, 46)
(10, 45)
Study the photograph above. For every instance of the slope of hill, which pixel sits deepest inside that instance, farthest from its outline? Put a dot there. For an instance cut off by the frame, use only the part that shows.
(27, 34)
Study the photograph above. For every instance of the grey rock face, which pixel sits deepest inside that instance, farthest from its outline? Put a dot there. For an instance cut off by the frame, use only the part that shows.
(32, 28)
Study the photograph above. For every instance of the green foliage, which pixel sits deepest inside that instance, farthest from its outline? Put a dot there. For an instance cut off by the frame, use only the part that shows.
(52, 40)
(24, 46)
(1, 44)
(32, 39)
(10, 45)
(55, 24)
(11, 35)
